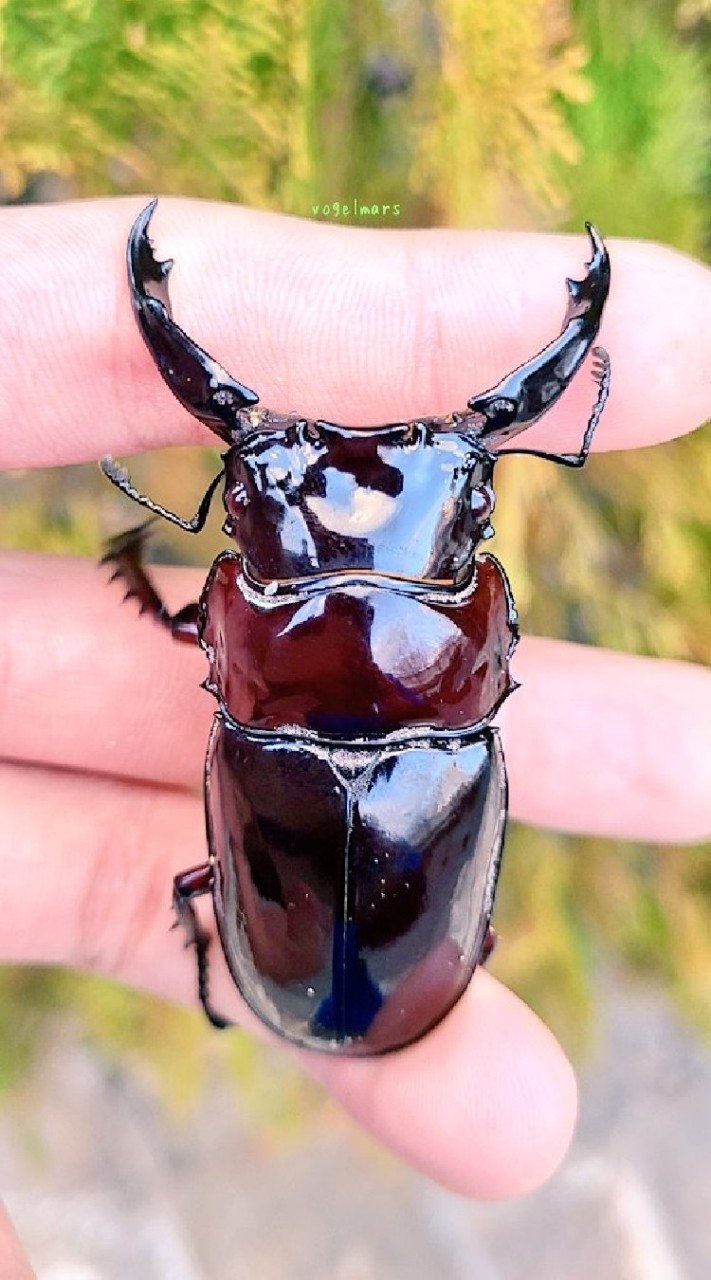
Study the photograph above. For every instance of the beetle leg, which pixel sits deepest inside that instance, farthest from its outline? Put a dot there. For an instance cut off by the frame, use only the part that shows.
(125, 552)
(186, 886)
(201, 385)
(601, 374)
(119, 476)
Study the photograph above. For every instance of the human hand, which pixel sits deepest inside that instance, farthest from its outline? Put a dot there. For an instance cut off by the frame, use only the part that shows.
(103, 725)
(13, 1263)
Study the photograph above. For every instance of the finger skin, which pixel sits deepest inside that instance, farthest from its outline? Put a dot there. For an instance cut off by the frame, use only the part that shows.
(13, 1263)
(610, 744)
(352, 325)
(595, 742)
(485, 1103)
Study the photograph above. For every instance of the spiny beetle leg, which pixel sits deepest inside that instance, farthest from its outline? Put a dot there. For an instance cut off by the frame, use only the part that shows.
(125, 553)
(186, 886)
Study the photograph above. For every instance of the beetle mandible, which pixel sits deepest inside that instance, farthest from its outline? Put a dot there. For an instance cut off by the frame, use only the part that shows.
(358, 649)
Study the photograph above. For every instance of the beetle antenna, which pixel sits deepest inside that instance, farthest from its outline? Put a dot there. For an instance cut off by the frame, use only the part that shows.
(601, 375)
(119, 477)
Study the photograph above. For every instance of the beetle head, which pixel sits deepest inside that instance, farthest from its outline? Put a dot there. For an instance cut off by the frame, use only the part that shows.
(306, 498)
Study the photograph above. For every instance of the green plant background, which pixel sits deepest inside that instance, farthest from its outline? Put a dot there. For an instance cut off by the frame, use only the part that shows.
(465, 113)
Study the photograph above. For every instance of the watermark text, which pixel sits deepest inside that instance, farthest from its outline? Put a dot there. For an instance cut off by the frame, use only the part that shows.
(355, 208)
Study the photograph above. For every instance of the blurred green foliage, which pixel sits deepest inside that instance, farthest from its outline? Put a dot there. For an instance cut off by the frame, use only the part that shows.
(652, 101)
(464, 112)
(108, 95)
(493, 124)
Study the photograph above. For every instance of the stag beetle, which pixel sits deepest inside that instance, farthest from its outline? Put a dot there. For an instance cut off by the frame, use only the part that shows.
(358, 649)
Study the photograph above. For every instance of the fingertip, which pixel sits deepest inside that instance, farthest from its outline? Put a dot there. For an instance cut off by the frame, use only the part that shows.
(485, 1104)
(13, 1261)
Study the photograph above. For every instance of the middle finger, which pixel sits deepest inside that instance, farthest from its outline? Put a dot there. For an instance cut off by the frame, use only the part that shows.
(89, 687)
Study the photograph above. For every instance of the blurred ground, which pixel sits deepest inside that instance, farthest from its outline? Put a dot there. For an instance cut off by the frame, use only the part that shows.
(103, 1185)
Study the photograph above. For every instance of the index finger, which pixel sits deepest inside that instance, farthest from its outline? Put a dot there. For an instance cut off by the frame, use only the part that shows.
(351, 325)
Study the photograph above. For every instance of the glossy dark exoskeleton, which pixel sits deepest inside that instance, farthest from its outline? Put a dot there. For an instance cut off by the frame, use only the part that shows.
(358, 649)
